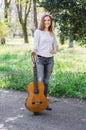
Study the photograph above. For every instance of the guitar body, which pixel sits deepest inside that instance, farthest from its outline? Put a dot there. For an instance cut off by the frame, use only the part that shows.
(36, 102)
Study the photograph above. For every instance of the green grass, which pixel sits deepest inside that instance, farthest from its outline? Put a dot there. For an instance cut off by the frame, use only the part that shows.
(67, 80)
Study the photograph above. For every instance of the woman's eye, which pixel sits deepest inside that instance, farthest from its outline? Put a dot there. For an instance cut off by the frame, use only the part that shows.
(46, 20)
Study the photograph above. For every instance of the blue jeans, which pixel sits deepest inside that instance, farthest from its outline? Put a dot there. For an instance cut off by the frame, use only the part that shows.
(44, 70)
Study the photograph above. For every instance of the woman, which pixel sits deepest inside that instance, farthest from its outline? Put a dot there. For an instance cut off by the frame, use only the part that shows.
(45, 46)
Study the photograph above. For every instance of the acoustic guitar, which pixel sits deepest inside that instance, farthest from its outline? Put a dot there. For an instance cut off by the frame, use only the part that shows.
(36, 100)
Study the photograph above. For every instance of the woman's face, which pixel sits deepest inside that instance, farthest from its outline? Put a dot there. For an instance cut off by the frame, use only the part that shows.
(47, 22)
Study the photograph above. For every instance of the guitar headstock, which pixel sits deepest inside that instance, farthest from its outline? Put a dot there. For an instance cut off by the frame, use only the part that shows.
(33, 56)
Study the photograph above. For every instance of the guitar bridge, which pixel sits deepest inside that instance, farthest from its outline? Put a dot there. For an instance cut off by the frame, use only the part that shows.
(37, 102)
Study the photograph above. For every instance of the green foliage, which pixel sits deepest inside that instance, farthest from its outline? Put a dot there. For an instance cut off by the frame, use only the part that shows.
(3, 29)
(71, 16)
(17, 80)
(67, 80)
(68, 84)
(16, 71)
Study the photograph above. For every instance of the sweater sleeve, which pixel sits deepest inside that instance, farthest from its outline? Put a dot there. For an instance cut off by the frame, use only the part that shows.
(36, 38)
(55, 41)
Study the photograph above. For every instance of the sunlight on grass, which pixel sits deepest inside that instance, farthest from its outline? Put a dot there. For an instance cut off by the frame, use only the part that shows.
(68, 77)
(71, 59)
(13, 47)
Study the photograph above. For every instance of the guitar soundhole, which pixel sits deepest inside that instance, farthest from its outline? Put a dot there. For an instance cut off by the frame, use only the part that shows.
(37, 102)
(36, 91)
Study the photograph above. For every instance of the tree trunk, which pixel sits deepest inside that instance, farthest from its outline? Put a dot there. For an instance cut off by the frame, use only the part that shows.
(23, 16)
(3, 41)
(62, 39)
(35, 23)
(24, 28)
(35, 14)
(71, 43)
(7, 3)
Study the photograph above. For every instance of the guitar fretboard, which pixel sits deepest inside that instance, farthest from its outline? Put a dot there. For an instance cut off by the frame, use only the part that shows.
(35, 78)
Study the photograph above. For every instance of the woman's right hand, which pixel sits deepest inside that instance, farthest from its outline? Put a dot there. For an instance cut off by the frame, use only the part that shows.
(35, 51)
(35, 56)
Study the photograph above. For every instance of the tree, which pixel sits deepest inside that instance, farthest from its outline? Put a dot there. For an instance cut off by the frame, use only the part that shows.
(23, 7)
(35, 14)
(71, 16)
(7, 3)
(3, 31)
(4, 24)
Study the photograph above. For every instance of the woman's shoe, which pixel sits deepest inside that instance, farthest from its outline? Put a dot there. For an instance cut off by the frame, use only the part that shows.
(48, 108)
(36, 113)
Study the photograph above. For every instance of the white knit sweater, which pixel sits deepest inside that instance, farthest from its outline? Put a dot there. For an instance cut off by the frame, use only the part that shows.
(44, 43)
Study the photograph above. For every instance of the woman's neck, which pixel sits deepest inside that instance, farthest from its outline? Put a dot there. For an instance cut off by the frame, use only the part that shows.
(46, 29)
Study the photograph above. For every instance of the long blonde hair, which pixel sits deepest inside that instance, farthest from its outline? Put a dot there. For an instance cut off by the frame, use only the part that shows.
(41, 27)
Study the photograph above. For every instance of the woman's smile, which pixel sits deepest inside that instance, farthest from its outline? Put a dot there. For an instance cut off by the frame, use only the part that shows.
(47, 22)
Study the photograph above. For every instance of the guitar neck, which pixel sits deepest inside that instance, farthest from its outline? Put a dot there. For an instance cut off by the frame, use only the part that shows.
(35, 79)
